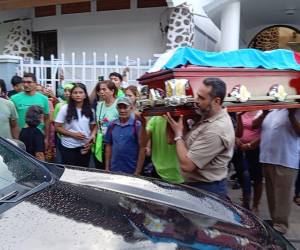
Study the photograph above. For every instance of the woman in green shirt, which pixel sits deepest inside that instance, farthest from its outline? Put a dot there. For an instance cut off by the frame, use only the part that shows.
(106, 112)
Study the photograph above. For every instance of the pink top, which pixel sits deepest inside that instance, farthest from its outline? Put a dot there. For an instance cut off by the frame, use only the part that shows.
(249, 134)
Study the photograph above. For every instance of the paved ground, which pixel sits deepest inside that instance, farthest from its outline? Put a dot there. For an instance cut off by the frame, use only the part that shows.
(293, 234)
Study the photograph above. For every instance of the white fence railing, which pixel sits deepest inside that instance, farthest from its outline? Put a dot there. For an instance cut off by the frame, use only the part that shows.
(79, 69)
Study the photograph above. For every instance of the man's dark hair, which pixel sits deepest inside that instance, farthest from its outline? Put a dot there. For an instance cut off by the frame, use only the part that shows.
(30, 75)
(33, 116)
(218, 87)
(16, 80)
(116, 75)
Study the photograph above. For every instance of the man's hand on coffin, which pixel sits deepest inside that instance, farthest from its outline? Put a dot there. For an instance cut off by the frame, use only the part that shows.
(177, 126)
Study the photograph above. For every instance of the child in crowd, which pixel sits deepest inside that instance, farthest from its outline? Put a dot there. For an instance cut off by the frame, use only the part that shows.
(31, 136)
(124, 150)
(75, 122)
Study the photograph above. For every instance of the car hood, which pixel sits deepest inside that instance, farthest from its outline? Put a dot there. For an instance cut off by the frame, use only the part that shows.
(96, 210)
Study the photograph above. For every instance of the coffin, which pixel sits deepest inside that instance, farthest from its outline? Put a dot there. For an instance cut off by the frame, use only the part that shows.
(258, 82)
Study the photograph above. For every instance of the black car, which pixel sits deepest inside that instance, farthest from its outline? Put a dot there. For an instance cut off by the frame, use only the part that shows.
(47, 206)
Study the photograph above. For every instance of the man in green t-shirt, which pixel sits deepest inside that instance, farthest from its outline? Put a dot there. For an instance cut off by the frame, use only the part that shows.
(30, 97)
(164, 156)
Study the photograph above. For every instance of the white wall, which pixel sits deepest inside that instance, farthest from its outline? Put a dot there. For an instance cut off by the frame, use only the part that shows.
(14, 14)
(4, 31)
(204, 42)
(243, 35)
(207, 34)
(6, 27)
(133, 33)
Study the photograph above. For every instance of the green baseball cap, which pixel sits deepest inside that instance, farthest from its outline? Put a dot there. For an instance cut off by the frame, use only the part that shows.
(68, 85)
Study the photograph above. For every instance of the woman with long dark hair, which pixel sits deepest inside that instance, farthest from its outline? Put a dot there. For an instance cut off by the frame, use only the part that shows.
(76, 122)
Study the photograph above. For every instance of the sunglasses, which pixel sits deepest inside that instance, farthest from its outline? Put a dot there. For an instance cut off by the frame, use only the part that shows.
(27, 81)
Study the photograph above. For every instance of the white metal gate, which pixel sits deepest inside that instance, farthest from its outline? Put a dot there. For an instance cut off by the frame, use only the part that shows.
(86, 71)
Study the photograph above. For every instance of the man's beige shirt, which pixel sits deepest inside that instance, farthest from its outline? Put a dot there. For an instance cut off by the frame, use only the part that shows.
(210, 146)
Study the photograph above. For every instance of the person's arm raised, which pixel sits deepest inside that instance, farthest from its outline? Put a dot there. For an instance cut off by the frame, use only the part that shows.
(259, 120)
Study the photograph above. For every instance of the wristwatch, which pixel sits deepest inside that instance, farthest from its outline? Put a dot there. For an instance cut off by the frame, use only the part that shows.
(178, 138)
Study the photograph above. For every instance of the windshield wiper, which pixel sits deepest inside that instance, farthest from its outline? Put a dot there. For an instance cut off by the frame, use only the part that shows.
(6, 198)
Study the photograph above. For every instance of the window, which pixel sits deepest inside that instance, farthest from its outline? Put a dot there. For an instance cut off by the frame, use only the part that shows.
(45, 11)
(103, 5)
(71, 8)
(151, 3)
(45, 44)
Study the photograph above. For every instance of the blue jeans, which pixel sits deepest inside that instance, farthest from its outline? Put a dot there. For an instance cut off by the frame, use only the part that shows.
(216, 187)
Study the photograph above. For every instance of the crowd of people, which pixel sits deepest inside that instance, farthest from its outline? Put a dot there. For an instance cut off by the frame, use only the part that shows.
(105, 130)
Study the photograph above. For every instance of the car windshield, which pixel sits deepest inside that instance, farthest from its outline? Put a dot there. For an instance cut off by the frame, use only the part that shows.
(16, 168)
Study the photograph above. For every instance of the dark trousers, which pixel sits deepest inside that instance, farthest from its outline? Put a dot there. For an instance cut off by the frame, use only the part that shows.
(217, 187)
(249, 169)
(247, 161)
(73, 156)
(58, 158)
(297, 184)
